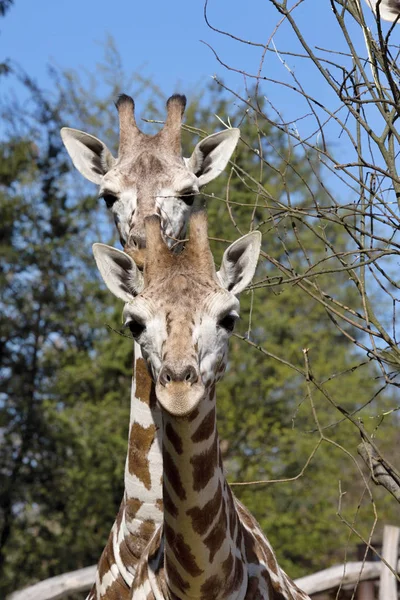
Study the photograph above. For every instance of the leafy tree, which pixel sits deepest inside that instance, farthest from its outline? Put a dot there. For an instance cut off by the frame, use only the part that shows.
(46, 282)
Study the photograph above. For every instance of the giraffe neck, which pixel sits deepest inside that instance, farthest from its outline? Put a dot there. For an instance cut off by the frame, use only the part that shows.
(203, 538)
(143, 505)
(141, 510)
(143, 466)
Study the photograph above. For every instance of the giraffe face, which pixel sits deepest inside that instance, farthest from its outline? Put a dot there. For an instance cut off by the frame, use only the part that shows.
(146, 184)
(183, 327)
(181, 312)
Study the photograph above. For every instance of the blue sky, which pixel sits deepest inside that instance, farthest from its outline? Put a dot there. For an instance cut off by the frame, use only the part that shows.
(163, 39)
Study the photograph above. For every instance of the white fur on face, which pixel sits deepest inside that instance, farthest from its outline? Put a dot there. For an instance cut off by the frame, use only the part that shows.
(212, 343)
(174, 216)
(173, 208)
(153, 341)
(123, 210)
(124, 206)
(212, 339)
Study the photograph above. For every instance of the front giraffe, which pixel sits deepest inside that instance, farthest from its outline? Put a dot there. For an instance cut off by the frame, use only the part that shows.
(182, 314)
(149, 176)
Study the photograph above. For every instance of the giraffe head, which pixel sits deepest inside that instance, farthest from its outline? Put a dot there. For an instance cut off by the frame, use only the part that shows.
(181, 311)
(149, 176)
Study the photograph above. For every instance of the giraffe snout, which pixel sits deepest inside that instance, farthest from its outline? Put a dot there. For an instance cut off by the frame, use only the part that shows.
(179, 388)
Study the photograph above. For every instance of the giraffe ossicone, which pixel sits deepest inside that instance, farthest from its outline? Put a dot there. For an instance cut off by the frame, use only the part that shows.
(182, 314)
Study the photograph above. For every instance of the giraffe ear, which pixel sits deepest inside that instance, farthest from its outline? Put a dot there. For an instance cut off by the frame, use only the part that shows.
(239, 263)
(119, 272)
(90, 156)
(211, 155)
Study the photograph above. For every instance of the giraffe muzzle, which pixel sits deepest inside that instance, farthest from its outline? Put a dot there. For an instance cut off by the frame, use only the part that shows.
(179, 392)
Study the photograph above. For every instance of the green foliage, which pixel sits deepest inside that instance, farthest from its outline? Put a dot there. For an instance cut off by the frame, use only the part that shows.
(64, 396)
(53, 407)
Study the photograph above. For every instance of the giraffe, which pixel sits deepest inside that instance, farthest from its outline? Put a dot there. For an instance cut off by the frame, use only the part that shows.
(182, 313)
(148, 176)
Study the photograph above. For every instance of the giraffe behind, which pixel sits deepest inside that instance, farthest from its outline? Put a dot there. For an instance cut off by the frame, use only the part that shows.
(149, 176)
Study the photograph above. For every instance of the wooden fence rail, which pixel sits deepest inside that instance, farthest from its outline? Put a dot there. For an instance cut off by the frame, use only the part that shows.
(82, 580)
(348, 574)
(58, 587)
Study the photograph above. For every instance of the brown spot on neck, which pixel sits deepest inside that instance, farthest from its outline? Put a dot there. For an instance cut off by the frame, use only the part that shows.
(202, 518)
(211, 588)
(249, 547)
(182, 552)
(171, 474)
(169, 505)
(118, 589)
(174, 438)
(204, 465)
(274, 588)
(145, 388)
(174, 577)
(252, 592)
(140, 441)
(217, 536)
(235, 577)
(132, 506)
(206, 428)
(193, 415)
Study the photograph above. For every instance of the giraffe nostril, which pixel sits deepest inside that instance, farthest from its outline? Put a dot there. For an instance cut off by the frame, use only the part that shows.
(190, 375)
(165, 376)
(170, 375)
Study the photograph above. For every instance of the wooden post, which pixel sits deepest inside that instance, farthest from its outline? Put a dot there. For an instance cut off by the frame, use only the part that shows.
(390, 552)
(365, 590)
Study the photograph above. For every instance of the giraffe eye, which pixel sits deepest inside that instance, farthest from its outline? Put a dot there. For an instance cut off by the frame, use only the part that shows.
(188, 196)
(136, 327)
(109, 199)
(228, 321)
